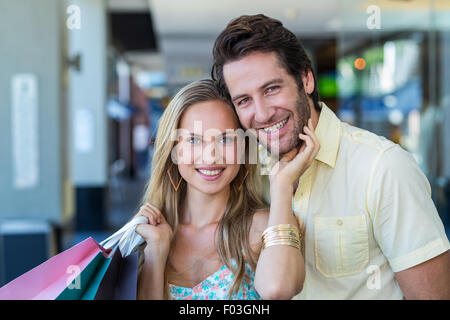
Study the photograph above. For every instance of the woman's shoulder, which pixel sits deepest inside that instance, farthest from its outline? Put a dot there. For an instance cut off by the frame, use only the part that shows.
(259, 224)
(260, 219)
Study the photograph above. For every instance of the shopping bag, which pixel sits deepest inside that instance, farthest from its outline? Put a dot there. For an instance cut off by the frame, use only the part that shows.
(105, 278)
(82, 272)
(112, 277)
(85, 285)
(48, 280)
(127, 239)
(120, 280)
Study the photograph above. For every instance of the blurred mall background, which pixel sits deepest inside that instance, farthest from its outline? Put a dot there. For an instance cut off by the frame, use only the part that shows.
(83, 84)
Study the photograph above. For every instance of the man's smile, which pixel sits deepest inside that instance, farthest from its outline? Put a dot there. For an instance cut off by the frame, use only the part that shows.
(274, 128)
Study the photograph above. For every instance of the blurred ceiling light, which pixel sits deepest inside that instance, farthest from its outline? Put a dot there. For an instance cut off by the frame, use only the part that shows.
(122, 68)
(395, 117)
(360, 63)
(123, 72)
(128, 5)
(389, 67)
(290, 13)
(334, 24)
(149, 79)
(414, 123)
(407, 4)
(390, 101)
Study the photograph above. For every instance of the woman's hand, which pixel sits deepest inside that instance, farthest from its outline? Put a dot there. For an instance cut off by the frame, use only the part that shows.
(157, 233)
(280, 271)
(294, 163)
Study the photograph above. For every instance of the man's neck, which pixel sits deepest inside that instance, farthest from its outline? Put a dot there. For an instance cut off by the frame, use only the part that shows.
(315, 114)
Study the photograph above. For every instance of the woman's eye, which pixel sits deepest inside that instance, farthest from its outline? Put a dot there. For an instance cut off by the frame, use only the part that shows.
(226, 139)
(193, 140)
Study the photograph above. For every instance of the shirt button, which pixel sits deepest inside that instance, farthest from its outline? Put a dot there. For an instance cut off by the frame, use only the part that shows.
(340, 222)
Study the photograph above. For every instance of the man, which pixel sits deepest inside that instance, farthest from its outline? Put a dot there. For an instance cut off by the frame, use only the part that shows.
(371, 228)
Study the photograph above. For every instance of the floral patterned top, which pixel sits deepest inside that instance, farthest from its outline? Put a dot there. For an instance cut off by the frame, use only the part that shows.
(217, 286)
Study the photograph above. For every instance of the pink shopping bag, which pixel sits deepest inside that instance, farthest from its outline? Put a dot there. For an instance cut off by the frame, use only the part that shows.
(49, 279)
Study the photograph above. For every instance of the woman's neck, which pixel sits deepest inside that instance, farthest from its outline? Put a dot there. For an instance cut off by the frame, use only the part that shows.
(201, 209)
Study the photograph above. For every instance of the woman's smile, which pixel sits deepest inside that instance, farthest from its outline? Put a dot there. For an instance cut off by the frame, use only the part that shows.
(210, 173)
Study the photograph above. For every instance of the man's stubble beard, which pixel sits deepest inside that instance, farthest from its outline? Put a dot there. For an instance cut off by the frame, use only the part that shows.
(302, 115)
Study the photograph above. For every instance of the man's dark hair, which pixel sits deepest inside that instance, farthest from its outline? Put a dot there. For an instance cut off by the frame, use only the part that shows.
(247, 34)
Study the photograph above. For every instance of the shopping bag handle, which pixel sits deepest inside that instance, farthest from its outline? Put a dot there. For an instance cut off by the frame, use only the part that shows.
(127, 239)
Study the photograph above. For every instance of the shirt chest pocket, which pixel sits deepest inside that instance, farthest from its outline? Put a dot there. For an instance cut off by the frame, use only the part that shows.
(341, 245)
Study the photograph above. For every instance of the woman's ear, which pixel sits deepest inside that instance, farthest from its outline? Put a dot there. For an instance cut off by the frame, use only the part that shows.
(176, 154)
(308, 81)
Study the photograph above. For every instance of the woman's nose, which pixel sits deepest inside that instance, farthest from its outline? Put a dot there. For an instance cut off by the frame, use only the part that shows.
(209, 153)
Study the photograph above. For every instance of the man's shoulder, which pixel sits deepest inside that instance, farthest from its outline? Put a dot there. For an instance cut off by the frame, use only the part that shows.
(364, 140)
(364, 150)
(373, 152)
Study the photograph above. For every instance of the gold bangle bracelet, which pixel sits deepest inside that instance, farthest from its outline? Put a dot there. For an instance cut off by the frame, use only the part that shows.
(282, 238)
(281, 234)
(276, 235)
(273, 234)
(279, 239)
(281, 230)
(288, 243)
(281, 227)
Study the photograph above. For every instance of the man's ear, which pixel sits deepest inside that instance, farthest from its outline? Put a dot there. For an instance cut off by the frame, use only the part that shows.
(308, 81)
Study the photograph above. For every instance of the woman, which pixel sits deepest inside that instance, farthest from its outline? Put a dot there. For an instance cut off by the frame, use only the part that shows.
(206, 212)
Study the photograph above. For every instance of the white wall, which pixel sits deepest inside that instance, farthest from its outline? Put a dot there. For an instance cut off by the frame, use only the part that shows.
(30, 42)
(87, 96)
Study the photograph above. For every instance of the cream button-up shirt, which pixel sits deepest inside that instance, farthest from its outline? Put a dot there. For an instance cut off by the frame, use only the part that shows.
(365, 210)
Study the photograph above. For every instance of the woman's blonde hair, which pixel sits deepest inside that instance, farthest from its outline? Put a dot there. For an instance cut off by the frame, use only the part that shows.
(233, 231)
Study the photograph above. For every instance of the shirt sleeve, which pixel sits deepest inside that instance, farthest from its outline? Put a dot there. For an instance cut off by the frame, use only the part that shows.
(406, 224)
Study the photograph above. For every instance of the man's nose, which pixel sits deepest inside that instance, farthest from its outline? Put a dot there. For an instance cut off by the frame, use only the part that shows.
(263, 111)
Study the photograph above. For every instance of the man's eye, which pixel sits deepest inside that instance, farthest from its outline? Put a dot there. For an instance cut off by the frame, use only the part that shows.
(243, 101)
(272, 89)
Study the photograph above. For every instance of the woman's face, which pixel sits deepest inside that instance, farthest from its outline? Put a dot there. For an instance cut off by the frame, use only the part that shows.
(207, 146)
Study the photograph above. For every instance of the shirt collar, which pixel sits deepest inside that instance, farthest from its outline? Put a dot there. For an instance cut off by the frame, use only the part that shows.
(328, 132)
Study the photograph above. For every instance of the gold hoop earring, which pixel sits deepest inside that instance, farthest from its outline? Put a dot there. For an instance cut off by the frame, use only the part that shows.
(243, 180)
(171, 180)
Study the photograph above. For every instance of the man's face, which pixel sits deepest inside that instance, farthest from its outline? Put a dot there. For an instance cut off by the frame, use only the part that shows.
(267, 99)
